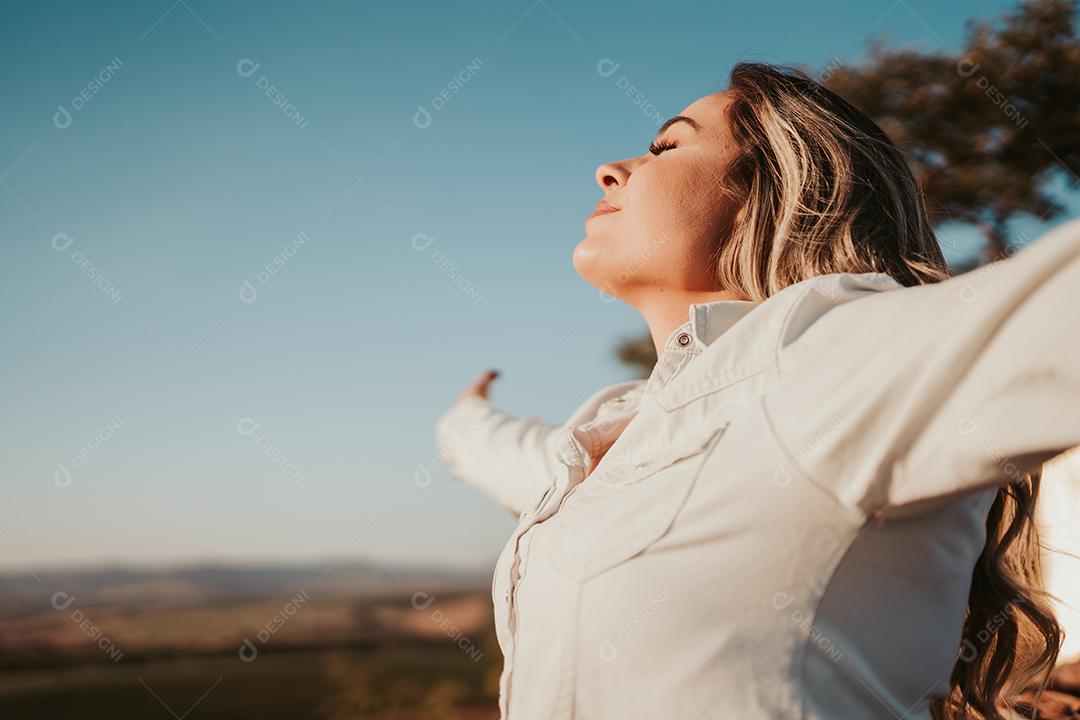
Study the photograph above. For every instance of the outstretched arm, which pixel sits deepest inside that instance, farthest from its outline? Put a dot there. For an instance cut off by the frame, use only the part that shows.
(509, 458)
(902, 400)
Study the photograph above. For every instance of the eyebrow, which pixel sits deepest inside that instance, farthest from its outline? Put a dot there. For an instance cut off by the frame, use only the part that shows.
(678, 118)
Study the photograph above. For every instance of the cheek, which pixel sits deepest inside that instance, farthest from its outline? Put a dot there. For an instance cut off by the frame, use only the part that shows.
(685, 205)
(692, 204)
(666, 199)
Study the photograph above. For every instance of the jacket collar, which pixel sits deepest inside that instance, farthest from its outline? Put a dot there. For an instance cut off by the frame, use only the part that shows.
(716, 327)
(710, 320)
(707, 322)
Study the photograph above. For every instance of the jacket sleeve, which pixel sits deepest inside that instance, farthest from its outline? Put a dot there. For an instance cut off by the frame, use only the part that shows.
(908, 398)
(511, 459)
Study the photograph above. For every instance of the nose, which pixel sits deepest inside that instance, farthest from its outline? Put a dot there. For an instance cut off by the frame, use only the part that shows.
(612, 174)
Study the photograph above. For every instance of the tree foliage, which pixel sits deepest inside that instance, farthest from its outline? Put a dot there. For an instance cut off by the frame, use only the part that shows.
(987, 129)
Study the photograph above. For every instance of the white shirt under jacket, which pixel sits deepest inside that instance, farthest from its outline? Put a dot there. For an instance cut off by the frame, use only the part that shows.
(784, 517)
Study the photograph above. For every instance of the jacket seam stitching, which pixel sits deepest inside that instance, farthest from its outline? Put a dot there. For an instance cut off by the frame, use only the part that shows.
(784, 325)
(801, 672)
(855, 511)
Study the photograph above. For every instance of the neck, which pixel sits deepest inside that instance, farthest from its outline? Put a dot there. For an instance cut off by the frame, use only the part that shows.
(669, 309)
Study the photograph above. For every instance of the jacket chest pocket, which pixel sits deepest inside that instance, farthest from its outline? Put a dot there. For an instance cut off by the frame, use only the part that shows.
(619, 511)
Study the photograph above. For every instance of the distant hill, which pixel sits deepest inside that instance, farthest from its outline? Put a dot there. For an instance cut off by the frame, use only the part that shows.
(22, 593)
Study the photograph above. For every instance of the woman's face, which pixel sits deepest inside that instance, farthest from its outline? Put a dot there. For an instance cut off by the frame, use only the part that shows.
(671, 214)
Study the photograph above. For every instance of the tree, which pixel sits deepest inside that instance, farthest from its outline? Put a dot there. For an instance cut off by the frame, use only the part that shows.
(987, 129)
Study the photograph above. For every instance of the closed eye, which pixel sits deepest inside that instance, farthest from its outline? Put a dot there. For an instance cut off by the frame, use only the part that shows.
(658, 147)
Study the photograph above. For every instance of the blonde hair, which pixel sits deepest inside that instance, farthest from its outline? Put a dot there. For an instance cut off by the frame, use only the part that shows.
(822, 189)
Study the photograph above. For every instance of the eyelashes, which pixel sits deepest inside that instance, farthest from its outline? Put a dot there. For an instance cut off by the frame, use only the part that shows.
(658, 147)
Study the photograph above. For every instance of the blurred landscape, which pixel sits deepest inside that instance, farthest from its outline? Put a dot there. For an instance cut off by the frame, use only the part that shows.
(347, 640)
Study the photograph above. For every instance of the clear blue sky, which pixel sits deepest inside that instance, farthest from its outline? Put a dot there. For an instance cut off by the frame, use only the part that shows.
(131, 220)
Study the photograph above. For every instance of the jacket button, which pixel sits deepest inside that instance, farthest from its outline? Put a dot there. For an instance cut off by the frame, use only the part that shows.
(683, 339)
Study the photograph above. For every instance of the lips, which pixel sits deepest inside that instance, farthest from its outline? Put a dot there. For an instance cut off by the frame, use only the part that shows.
(603, 208)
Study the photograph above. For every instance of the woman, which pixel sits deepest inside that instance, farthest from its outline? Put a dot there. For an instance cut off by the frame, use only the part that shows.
(819, 503)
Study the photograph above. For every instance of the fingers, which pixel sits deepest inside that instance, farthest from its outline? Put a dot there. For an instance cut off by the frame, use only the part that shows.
(480, 386)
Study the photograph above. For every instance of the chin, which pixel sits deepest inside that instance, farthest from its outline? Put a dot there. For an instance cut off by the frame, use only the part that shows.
(585, 260)
(591, 264)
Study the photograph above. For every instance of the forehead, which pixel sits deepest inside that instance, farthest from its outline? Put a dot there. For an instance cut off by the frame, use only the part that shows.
(709, 110)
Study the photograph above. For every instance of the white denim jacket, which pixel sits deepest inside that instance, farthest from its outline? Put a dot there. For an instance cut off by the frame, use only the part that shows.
(782, 521)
